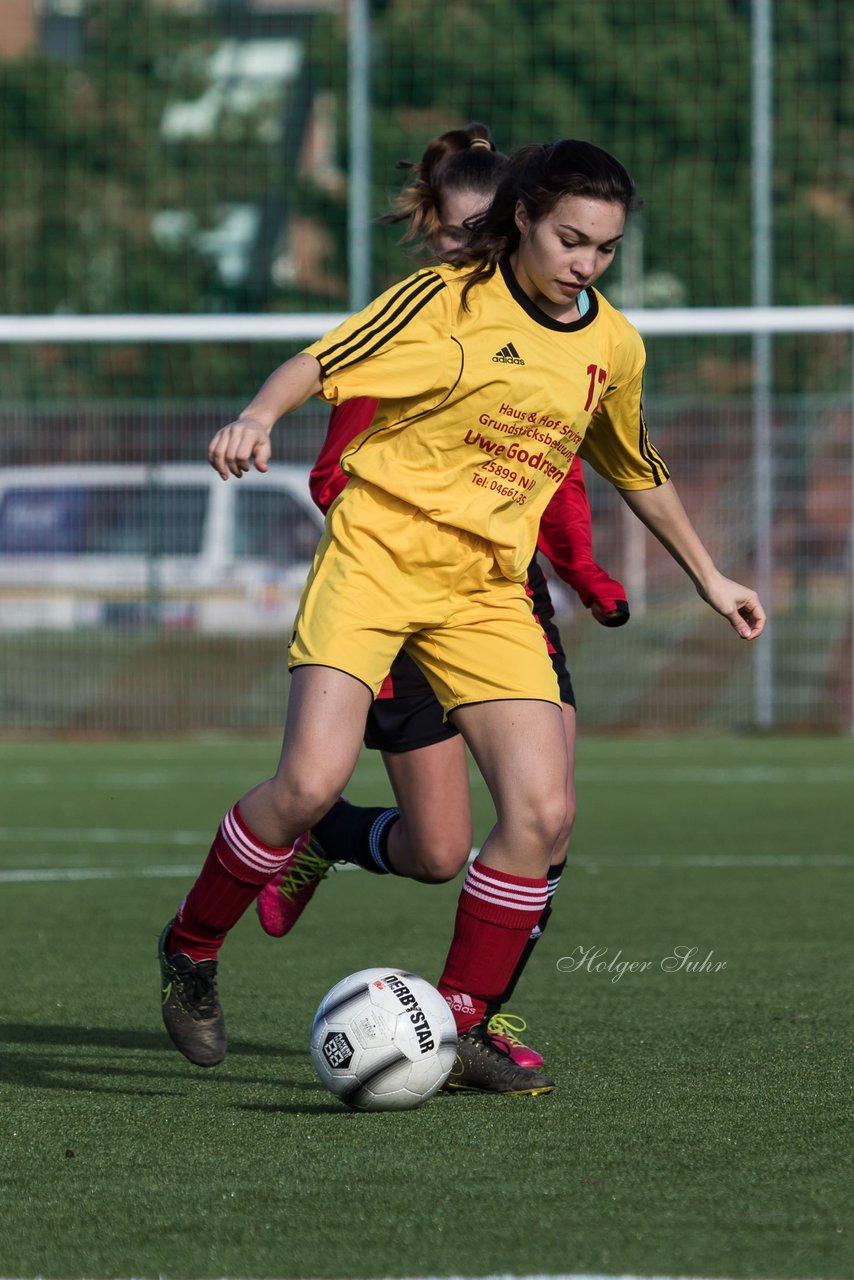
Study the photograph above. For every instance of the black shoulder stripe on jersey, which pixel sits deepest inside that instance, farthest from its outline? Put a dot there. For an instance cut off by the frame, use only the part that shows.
(650, 453)
(414, 283)
(412, 296)
(380, 335)
(352, 357)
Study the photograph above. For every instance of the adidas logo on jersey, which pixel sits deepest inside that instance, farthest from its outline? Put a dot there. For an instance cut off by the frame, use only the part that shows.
(507, 355)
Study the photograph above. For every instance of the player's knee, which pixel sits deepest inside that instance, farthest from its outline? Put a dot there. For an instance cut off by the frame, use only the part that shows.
(430, 851)
(568, 823)
(301, 801)
(437, 870)
(545, 821)
(440, 859)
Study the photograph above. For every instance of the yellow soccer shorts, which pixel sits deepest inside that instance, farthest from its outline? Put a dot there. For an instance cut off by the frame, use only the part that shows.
(386, 576)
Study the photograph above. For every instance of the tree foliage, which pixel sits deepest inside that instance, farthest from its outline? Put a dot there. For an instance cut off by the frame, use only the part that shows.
(664, 85)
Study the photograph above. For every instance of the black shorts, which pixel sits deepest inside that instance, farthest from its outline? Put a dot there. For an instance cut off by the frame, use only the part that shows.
(407, 714)
(544, 611)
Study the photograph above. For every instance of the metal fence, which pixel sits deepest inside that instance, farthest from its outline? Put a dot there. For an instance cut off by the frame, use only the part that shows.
(133, 598)
(225, 162)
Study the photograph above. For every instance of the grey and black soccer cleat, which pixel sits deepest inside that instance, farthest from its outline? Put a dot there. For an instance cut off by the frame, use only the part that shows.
(190, 1005)
(483, 1065)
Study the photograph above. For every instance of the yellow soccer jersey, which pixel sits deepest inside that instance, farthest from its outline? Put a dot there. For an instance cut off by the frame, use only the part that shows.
(481, 411)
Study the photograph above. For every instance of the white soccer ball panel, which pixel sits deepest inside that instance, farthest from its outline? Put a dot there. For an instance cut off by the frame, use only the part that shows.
(383, 1039)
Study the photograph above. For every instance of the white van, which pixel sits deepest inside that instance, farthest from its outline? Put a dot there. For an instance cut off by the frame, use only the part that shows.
(169, 545)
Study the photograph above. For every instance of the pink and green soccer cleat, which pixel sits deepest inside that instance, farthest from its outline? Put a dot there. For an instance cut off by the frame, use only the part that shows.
(281, 902)
(505, 1029)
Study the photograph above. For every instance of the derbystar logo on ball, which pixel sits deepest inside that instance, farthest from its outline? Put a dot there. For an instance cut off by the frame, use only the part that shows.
(383, 1040)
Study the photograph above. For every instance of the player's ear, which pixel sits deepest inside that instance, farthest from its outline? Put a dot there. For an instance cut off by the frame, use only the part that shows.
(520, 217)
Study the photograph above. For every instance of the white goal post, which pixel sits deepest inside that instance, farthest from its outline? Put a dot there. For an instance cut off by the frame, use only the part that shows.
(666, 322)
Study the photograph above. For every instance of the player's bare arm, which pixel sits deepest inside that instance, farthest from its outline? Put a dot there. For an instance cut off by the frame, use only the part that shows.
(247, 440)
(662, 512)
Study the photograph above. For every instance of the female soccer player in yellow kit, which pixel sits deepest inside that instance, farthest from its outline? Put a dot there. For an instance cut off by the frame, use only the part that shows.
(428, 835)
(489, 381)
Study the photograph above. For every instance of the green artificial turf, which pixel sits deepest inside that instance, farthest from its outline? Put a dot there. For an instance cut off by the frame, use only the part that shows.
(701, 1126)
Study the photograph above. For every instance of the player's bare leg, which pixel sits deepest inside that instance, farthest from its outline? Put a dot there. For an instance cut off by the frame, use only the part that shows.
(520, 749)
(323, 733)
(323, 736)
(568, 714)
(427, 837)
(432, 841)
(505, 1027)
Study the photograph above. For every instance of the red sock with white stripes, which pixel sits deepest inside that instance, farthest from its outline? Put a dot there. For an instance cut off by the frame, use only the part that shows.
(495, 916)
(235, 871)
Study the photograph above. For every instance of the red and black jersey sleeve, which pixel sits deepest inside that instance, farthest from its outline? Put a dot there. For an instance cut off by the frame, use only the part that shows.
(346, 421)
(566, 539)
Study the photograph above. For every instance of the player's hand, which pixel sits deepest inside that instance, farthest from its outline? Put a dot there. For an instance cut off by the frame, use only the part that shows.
(740, 605)
(611, 617)
(235, 447)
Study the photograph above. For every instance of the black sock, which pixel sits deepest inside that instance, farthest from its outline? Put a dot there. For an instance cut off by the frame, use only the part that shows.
(553, 876)
(350, 833)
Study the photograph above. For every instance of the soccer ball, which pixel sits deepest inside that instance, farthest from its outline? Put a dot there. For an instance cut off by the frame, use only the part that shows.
(383, 1040)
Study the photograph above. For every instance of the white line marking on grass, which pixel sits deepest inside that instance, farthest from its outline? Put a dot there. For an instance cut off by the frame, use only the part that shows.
(658, 771)
(704, 775)
(747, 860)
(506, 1276)
(55, 875)
(83, 836)
(100, 835)
(544, 1276)
(51, 875)
(551, 1276)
